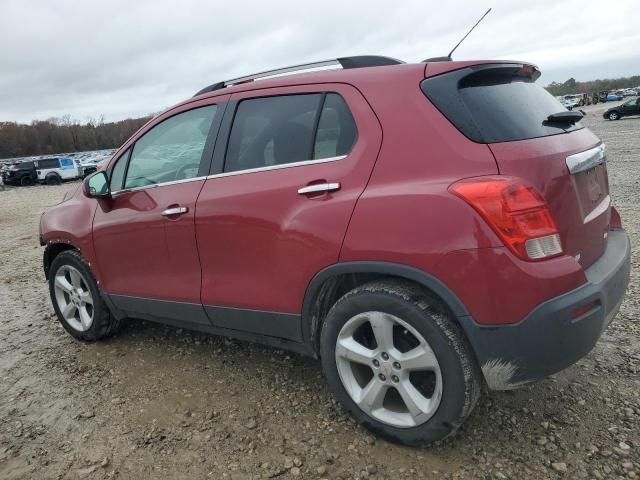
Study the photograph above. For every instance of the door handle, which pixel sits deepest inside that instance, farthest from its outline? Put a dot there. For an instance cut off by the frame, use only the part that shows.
(319, 187)
(175, 211)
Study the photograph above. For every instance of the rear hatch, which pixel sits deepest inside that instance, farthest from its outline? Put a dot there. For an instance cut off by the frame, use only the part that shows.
(502, 106)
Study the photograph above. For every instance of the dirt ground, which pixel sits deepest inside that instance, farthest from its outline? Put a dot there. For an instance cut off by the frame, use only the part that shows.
(158, 402)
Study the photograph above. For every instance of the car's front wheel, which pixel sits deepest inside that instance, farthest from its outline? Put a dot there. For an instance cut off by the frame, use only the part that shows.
(614, 116)
(77, 300)
(398, 363)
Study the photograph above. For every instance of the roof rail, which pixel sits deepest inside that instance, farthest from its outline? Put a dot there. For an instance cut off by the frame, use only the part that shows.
(344, 62)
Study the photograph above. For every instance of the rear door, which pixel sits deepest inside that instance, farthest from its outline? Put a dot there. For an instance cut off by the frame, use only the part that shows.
(501, 105)
(632, 107)
(287, 173)
(46, 166)
(144, 236)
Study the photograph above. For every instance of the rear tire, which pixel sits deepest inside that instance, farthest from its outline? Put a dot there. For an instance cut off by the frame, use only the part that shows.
(77, 300)
(53, 179)
(423, 367)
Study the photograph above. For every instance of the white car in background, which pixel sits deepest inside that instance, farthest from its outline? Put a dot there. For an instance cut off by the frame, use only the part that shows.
(55, 170)
(570, 102)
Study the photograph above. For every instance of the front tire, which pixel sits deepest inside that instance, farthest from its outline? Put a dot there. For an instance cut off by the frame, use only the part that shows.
(397, 362)
(614, 116)
(77, 300)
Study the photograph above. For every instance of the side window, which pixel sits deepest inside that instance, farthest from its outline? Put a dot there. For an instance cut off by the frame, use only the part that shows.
(66, 163)
(47, 163)
(171, 150)
(117, 173)
(272, 131)
(336, 129)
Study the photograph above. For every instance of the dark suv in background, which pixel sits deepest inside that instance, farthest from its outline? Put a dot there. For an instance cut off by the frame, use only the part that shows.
(22, 173)
(626, 109)
(426, 230)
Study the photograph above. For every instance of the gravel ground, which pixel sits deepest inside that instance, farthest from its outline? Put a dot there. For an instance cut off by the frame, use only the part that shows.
(158, 402)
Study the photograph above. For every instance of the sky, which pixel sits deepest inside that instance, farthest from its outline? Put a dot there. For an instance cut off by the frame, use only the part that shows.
(128, 58)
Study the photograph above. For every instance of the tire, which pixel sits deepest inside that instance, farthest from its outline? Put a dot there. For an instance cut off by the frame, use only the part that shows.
(455, 381)
(614, 116)
(53, 179)
(26, 181)
(101, 324)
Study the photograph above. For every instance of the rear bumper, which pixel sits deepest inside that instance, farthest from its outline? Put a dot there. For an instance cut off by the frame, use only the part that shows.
(549, 339)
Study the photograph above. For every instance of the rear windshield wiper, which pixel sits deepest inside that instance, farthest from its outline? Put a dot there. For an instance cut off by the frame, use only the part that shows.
(565, 117)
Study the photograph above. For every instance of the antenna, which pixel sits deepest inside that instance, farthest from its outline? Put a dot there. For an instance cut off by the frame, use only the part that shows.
(462, 40)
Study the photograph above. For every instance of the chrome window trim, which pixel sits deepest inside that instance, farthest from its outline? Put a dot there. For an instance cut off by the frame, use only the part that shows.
(237, 172)
(278, 167)
(599, 210)
(161, 184)
(579, 162)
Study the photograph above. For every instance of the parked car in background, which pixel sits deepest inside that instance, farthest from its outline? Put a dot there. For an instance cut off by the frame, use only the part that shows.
(630, 107)
(53, 171)
(570, 101)
(314, 212)
(614, 97)
(20, 173)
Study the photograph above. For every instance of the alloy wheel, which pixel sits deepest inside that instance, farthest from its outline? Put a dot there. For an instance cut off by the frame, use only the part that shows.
(74, 298)
(388, 369)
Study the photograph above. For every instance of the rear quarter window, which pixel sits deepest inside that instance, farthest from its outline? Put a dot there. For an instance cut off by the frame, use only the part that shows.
(495, 103)
(47, 163)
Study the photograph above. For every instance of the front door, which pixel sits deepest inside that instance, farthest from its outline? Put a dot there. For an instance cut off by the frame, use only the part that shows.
(144, 236)
(290, 167)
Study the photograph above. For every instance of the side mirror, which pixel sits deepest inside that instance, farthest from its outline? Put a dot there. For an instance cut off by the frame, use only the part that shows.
(96, 185)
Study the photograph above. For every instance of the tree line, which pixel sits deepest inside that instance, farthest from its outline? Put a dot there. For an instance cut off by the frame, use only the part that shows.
(64, 135)
(608, 84)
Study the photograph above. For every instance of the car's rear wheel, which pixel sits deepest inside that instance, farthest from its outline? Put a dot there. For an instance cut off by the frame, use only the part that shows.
(614, 116)
(398, 364)
(77, 300)
(53, 179)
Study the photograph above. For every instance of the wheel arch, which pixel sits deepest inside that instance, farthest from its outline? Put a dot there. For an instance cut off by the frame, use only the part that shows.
(51, 251)
(328, 285)
(53, 175)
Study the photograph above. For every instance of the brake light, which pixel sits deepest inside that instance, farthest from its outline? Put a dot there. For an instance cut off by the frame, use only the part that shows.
(515, 211)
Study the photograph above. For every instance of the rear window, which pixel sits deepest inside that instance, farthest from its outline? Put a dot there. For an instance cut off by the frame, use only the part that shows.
(495, 103)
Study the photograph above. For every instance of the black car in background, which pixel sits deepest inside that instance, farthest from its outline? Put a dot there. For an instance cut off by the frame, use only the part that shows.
(630, 107)
(23, 173)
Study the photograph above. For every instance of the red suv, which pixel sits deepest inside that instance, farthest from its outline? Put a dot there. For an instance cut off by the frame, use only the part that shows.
(426, 230)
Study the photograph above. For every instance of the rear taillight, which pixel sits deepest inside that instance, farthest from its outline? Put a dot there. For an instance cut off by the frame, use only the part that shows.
(517, 213)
